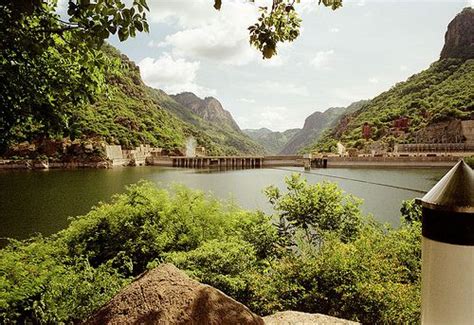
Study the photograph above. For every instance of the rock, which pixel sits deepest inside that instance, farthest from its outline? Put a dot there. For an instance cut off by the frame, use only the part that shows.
(166, 295)
(299, 318)
(459, 38)
(209, 108)
(88, 148)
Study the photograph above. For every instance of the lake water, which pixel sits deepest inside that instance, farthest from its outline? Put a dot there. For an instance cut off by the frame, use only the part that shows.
(42, 201)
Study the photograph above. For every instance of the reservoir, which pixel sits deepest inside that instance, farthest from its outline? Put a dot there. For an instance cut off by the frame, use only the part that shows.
(41, 201)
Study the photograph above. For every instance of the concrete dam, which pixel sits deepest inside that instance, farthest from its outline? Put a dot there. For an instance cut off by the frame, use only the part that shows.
(237, 161)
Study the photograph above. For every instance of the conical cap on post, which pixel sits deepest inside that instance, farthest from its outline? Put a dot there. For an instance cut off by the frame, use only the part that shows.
(454, 192)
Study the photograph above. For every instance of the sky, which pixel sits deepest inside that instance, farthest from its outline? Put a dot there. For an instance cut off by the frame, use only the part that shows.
(342, 56)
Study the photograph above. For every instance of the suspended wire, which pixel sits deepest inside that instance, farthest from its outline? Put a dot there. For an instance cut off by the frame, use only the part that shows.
(356, 180)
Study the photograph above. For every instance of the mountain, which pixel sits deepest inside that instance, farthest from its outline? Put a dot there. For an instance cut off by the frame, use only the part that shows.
(427, 107)
(313, 126)
(272, 141)
(131, 113)
(209, 108)
(228, 139)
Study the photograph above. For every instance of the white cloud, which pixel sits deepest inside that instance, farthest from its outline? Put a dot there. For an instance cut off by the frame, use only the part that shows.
(186, 14)
(247, 100)
(220, 36)
(334, 30)
(62, 7)
(276, 61)
(307, 6)
(272, 115)
(374, 80)
(277, 118)
(322, 59)
(404, 67)
(272, 87)
(155, 44)
(345, 96)
(172, 75)
(205, 33)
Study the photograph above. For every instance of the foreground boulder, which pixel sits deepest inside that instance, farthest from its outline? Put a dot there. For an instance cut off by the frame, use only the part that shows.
(166, 295)
(298, 318)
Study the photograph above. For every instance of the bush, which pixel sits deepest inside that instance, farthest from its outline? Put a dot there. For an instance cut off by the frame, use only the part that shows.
(39, 283)
(355, 268)
(470, 161)
(317, 209)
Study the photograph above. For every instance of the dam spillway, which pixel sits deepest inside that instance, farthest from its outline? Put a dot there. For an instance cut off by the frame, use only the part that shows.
(226, 162)
(238, 162)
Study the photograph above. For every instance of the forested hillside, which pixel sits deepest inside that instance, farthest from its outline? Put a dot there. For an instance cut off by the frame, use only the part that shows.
(129, 113)
(442, 92)
(227, 139)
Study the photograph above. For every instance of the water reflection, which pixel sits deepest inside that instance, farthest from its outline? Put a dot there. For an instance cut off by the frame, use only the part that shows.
(41, 201)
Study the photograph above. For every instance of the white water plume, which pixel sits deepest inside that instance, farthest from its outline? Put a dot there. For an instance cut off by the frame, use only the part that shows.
(191, 147)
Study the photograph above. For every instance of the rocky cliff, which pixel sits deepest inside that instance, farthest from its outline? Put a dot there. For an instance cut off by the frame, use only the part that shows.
(209, 108)
(459, 38)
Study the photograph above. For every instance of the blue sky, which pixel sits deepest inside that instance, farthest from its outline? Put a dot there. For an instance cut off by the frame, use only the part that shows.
(341, 56)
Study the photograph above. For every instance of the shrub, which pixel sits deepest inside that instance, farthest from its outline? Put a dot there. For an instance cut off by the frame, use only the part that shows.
(355, 268)
(317, 209)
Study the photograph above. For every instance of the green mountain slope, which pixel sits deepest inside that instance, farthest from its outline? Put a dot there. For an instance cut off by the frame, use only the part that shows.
(225, 139)
(129, 113)
(440, 94)
(443, 92)
(273, 142)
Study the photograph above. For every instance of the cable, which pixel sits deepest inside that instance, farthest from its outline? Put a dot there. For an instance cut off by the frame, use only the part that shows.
(356, 180)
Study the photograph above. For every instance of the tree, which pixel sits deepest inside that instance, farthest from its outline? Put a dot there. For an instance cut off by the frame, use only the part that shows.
(49, 65)
(316, 209)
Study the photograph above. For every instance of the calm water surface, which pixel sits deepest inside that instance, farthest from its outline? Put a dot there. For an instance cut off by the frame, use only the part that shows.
(42, 201)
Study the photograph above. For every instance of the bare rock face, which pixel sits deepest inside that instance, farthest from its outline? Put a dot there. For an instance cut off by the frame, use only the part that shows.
(459, 39)
(298, 318)
(166, 295)
(209, 108)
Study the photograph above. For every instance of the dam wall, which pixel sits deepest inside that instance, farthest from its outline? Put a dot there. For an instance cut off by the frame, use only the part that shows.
(394, 162)
(300, 161)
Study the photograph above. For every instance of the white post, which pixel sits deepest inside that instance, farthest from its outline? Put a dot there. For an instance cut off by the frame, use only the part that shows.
(448, 249)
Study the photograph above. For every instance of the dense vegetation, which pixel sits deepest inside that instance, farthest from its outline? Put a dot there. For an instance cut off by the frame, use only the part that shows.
(470, 161)
(321, 255)
(440, 93)
(130, 113)
(221, 137)
(50, 64)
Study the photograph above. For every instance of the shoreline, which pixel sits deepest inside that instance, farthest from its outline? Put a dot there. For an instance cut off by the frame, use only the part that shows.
(267, 162)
